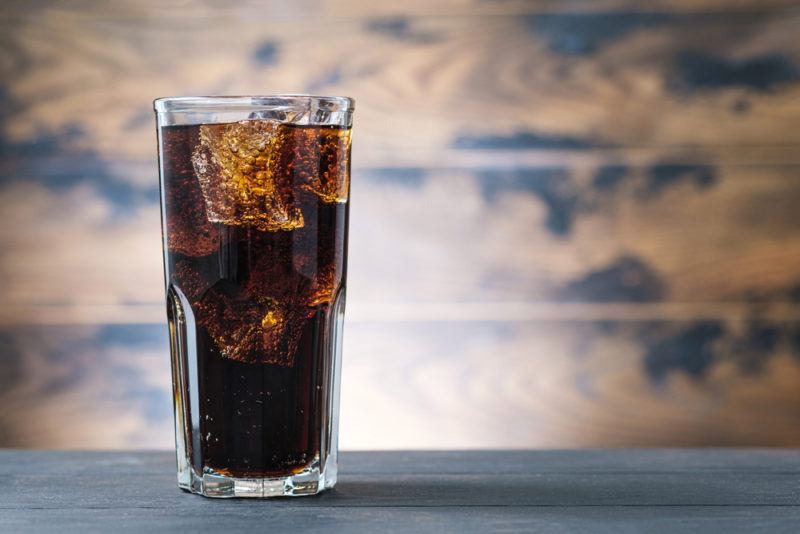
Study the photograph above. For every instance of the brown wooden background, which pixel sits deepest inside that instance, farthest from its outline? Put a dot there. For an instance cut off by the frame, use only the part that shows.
(574, 223)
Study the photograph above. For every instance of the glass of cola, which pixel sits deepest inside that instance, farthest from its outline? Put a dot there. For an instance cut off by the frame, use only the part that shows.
(254, 203)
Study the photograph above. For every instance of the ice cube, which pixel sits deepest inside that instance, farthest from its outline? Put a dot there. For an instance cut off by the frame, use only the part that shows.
(250, 172)
(325, 287)
(189, 231)
(249, 330)
(237, 167)
(189, 280)
(321, 161)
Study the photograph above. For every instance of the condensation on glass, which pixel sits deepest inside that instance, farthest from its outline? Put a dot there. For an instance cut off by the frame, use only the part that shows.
(255, 201)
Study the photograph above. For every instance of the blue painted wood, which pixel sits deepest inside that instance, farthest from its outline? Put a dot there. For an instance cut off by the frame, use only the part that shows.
(478, 491)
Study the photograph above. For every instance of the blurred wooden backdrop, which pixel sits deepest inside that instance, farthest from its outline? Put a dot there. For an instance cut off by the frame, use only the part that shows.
(574, 223)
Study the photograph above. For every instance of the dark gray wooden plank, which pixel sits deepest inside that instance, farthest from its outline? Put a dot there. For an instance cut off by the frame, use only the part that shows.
(277, 517)
(468, 491)
(509, 462)
(429, 479)
(358, 491)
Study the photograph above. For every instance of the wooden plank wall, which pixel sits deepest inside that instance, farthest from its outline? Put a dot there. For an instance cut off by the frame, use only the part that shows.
(573, 223)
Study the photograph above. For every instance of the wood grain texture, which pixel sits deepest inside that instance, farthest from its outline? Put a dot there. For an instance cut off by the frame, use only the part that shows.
(573, 223)
(430, 384)
(665, 234)
(570, 80)
(443, 462)
(344, 9)
(453, 492)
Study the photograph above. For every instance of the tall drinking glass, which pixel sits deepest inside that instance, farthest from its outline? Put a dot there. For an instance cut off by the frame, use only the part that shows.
(254, 203)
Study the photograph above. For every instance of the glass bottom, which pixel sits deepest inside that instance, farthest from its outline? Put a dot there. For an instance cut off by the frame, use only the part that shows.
(310, 481)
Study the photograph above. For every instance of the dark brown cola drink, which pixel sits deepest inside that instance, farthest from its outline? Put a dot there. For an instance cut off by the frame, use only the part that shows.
(255, 225)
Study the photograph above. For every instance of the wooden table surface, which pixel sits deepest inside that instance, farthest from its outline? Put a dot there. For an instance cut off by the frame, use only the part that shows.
(544, 491)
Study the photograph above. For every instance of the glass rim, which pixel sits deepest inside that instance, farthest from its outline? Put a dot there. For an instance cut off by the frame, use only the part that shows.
(200, 104)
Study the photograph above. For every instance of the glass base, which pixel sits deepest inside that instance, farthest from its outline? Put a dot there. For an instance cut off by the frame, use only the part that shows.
(310, 481)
